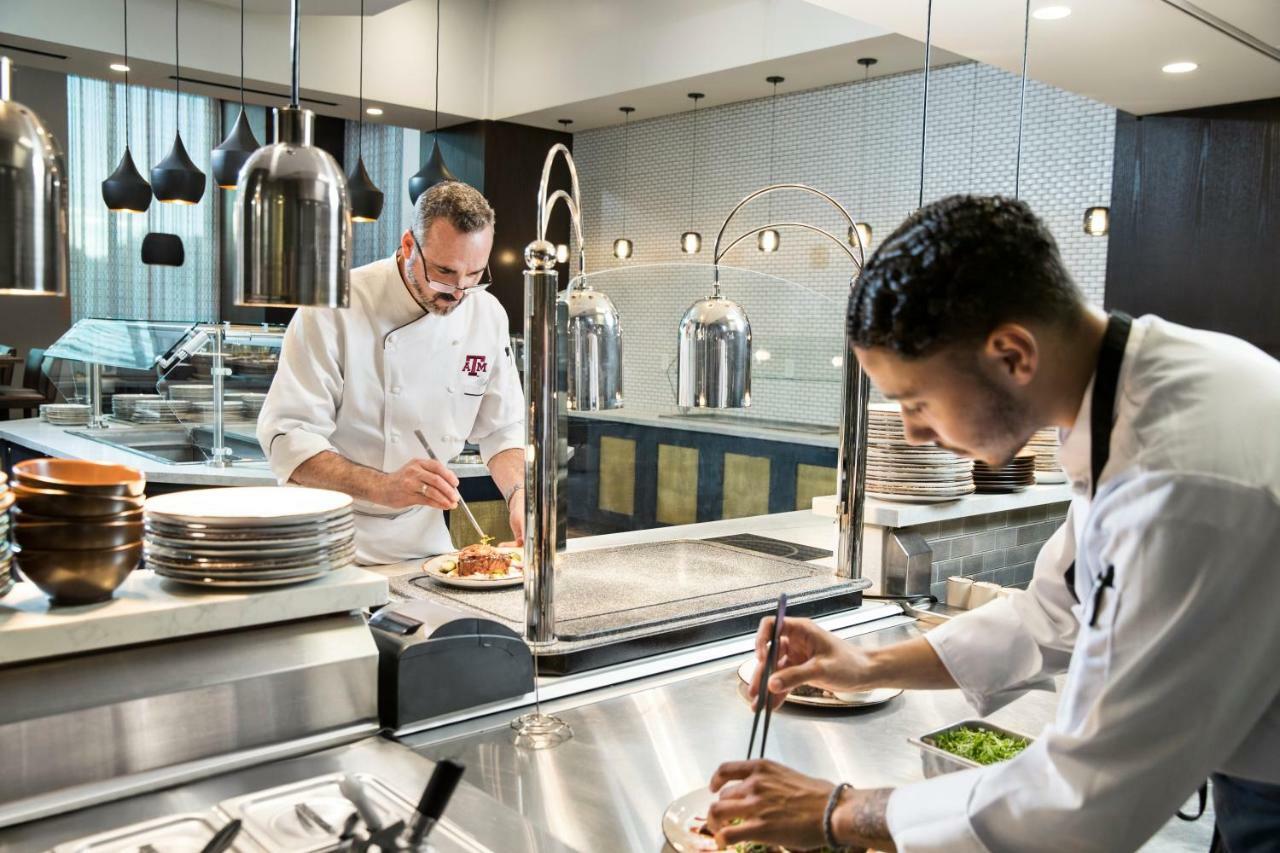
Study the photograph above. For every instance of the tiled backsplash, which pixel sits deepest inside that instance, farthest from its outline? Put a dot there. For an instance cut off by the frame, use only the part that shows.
(859, 142)
(1001, 547)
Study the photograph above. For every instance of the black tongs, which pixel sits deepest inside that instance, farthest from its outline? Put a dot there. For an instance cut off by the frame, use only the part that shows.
(763, 699)
(444, 779)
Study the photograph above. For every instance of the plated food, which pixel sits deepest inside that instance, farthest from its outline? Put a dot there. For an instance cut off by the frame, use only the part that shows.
(478, 566)
(819, 698)
(684, 825)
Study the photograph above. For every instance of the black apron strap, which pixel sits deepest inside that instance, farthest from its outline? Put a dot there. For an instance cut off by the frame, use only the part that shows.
(1102, 409)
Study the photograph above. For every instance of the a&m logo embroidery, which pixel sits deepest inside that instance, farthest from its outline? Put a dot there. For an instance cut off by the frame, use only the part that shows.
(475, 365)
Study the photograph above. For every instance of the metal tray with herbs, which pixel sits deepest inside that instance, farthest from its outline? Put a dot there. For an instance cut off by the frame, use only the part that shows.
(936, 760)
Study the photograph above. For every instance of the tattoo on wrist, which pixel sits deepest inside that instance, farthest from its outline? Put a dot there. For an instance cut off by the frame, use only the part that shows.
(868, 821)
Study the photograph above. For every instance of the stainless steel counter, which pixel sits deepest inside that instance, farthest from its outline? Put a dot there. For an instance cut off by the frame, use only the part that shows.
(639, 746)
(499, 829)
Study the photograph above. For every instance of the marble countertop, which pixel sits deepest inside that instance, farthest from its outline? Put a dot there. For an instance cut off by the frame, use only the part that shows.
(147, 608)
(57, 441)
(880, 513)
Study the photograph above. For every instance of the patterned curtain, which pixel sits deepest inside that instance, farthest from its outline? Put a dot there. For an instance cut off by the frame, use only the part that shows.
(383, 158)
(108, 278)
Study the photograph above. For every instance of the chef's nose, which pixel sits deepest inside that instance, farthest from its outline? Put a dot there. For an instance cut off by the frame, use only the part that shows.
(917, 433)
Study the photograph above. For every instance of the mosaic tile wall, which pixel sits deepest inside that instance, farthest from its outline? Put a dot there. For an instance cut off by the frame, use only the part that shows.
(861, 143)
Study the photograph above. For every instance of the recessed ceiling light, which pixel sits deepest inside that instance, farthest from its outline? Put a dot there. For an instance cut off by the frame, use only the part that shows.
(1051, 13)
(120, 66)
(1179, 67)
(374, 111)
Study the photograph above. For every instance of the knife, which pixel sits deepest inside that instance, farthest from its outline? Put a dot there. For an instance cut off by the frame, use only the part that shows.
(461, 502)
(440, 787)
(223, 838)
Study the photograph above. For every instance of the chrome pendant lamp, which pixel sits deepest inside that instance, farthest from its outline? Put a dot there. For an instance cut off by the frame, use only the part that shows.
(860, 234)
(691, 240)
(33, 201)
(769, 240)
(366, 198)
(125, 190)
(434, 171)
(228, 158)
(292, 221)
(623, 247)
(175, 179)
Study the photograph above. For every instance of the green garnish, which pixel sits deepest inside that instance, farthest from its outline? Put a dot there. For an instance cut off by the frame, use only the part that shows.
(981, 745)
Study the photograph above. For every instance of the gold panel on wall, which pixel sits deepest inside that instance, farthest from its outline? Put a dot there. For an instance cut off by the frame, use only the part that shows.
(746, 486)
(617, 484)
(813, 481)
(677, 484)
(493, 518)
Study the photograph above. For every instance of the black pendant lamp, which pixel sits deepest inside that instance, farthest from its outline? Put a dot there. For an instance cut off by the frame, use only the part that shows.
(176, 179)
(364, 196)
(228, 157)
(691, 240)
(769, 239)
(434, 171)
(125, 190)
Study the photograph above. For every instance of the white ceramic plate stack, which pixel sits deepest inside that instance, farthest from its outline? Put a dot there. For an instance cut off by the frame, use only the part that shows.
(249, 537)
(202, 412)
(1014, 477)
(6, 549)
(253, 404)
(66, 414)
(122, 404)
(897, 471)
(160, 411)
(1045, 445)
(191, 393)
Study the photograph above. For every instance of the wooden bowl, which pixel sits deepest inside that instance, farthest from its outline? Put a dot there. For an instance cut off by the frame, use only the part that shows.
(55, 503)
(55, 534)
(78, 577)
(78, 475)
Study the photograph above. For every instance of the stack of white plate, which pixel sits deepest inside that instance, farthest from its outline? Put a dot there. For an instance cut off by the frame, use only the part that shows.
(202, 412)
(122, 404)
(191, 393)
(160, 411)
(247, 537)
(1045, 445)
(253, 404)
(65, 414)
(1015, 476)
(6, 549)
(897, 471)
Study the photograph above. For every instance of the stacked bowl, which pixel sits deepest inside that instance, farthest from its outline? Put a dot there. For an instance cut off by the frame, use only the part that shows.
(6, 550)
(77, 527)
(1015, 476)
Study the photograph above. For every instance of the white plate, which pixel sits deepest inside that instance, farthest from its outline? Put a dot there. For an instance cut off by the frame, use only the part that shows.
(248, 506)
(433, 569)
(680, 816)
(914, 499)
(1051, 476)
(855, 699)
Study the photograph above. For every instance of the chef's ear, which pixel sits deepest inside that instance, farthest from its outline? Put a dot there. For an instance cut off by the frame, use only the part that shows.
(1015, 352)
(406, 245)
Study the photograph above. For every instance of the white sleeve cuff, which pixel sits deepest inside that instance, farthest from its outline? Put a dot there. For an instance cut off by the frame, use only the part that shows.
(509, 437)
(933, 816)
(288, 450)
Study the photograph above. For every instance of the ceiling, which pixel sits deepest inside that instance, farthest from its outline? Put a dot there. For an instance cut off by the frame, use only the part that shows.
(313, 7)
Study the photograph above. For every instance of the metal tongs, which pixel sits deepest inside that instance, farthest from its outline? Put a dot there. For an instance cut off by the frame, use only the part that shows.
(763, 699)
(397, 837)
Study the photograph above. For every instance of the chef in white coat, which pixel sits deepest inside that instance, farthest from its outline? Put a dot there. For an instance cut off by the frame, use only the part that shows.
(422, 347)
(1157, 597)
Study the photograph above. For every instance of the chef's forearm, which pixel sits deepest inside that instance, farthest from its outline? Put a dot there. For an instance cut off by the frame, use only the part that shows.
(329, 470)
(861, 820)
(912, 665)
(507, 469)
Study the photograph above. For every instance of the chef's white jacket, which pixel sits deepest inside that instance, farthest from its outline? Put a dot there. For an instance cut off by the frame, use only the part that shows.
(1180, 675)
(358, 381)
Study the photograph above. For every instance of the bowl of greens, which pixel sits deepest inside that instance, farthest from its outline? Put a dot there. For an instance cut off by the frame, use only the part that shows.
(966, 744)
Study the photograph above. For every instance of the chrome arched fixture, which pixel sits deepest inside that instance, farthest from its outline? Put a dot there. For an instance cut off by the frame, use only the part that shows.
(594, 337)
(33, 201)
(714, 365)
(292, 219)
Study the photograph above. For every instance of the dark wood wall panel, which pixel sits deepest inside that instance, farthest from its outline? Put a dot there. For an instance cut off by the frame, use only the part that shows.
(1195, 234)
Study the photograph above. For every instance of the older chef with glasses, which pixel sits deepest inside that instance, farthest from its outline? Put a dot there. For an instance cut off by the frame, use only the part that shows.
(422, 347)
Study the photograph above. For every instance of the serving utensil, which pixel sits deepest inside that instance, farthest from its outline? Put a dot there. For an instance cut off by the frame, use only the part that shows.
(223, 838)
(307, 817)
(422, 439)
(440, 787)
(763, 700)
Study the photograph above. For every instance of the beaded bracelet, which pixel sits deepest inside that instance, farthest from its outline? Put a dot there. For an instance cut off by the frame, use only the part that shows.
(828, 834)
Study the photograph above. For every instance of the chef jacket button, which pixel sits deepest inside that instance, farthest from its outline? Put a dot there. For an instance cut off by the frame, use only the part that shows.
(449, 389)
(395, 389)
(395, 438)
(455, 343)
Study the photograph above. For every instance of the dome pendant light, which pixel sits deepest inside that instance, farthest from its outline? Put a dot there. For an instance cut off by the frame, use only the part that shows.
(34, 249)
(292, 220)
(175, 179)
(769, 239)
(125, 190)
(366, 198)
(227, 159)
(691, 240)
(434, 171)
(623, 248)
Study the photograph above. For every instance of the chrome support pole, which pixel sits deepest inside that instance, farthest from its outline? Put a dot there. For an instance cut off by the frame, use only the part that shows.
(546, 436)
(96, 419)
(220, 453)
(851, 464)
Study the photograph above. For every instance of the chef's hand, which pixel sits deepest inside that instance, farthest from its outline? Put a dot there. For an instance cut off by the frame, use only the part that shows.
(809, 655)
(775, 805)
(421, 482)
